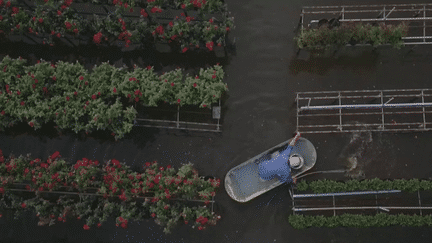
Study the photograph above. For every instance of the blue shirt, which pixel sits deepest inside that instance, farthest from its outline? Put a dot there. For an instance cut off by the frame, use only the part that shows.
(277, 167)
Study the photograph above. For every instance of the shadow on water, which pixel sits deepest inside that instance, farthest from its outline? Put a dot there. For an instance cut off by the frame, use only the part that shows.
(345, 59)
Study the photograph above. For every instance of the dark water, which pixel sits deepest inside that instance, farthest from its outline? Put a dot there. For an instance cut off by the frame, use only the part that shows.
(258, 113)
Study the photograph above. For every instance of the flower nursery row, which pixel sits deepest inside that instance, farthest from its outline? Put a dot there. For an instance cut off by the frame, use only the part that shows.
(359, 221)
(74, 99)
(49, 23)
(203, 5)
(115, 179)
(328, 186)
(352, 33)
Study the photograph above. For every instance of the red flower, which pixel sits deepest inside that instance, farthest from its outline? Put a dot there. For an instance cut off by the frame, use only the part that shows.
(197, 77)
(172, 84)
(31, 124)
(58, 35)
(55, 155)
(188, 19)
(23, 205)
(68, 25)
(76, 31)
(129, 95)
(2, 191)
(99, 225)
(17, 26)
(200, 227)
(136, 99)
(143, 13)
(227, 28)
(94, 97)
(184, 50)
(59, 219)
(54, 78)
(149, 67)
(81, 78)
(99, 93)
(153, 215)
(86, 227)
(22, 103)
(186, 222)
(75, 93)
(63, 7)
(169, 167)
(211, 20)
(183, 6)
(123, 225)
(147, 164)
(40, 20)
(115, 90)
(210, 45)
(59, 12)
(166, 207)
(160, 30)
(171, 24)
(194, 85)
(213, 76)
(8, 4)
(18, 92)
(67, 98)
(178, 101)
(161, 168)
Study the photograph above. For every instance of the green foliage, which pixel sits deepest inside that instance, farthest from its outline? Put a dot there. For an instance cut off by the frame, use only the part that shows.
(375, 184)
(324, 37)
(77, 100)
(359, 221)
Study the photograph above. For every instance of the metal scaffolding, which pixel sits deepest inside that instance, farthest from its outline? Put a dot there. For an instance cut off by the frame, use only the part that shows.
(356, 111)
(184, 125)
(298, 207)
(415, 14)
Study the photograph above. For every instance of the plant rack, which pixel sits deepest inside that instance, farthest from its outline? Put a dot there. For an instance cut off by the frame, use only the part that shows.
(405, 110)
(416, 15)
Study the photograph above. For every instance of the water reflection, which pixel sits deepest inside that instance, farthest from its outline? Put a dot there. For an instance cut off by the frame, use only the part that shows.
(323, 61)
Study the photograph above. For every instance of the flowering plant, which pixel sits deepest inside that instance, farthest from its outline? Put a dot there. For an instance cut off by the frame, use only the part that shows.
(362, 33)
(163, 184)
(76, 100)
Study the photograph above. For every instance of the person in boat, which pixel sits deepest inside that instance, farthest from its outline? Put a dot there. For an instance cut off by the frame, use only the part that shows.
(280, 165)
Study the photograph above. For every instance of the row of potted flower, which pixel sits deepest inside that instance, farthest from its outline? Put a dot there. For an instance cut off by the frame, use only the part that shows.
(359, 221)
(114, 180)
(50, 22)
(352, 33)
(328, 186)
(74, 99)
(203, 5)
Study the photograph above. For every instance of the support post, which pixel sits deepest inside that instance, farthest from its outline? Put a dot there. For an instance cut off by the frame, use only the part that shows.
(340, 113)
(382, 110)
(178, 116)
(424, 115)
(424, 23)
(334, 206)
(418, 193)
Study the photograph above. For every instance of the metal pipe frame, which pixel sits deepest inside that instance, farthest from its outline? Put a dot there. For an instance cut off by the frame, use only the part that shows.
(382, 17)
(344, 194)
(177, 122)
(359, 208)
(304, 100)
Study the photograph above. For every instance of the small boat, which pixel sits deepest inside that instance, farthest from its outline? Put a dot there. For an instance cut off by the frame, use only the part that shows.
(258, 175)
